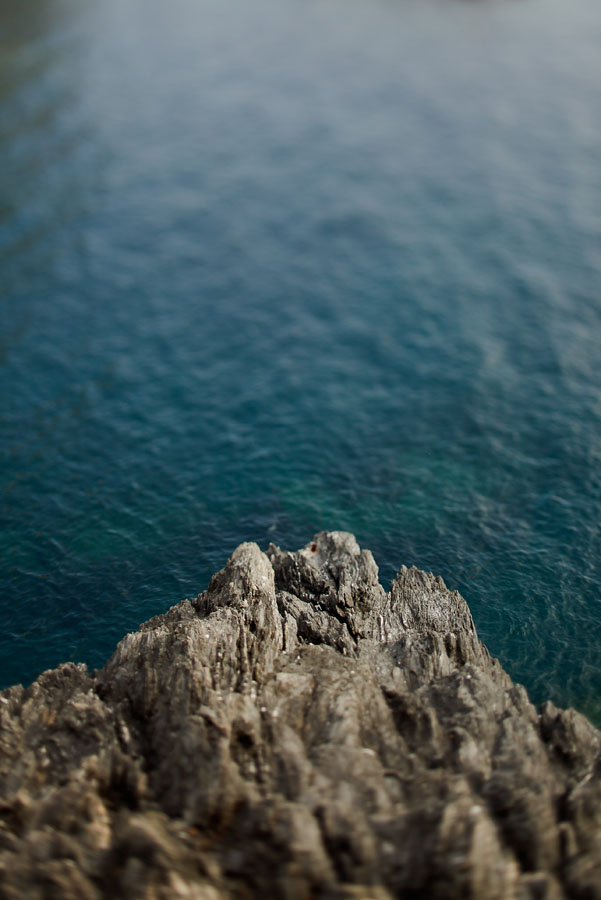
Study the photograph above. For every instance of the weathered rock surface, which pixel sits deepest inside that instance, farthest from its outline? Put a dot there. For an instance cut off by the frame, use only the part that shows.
(296, 732)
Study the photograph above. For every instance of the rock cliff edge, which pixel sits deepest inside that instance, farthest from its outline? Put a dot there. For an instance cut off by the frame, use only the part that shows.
(297, 732)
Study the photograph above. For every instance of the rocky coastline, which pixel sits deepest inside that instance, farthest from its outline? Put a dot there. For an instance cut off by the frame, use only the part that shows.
(297, 732)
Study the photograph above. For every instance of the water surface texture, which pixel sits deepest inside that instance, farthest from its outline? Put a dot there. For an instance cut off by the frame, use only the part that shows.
(272, 266)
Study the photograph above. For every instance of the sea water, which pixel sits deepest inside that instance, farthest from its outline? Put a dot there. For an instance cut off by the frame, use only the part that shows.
(276, 266)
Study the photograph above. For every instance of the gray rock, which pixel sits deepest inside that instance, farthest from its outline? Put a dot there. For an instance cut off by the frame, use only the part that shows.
(297, 732)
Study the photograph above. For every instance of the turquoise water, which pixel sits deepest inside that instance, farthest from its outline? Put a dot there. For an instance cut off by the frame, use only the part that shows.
(272, 266)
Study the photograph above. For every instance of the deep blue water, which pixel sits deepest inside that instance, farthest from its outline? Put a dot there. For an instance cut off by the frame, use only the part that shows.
(272, 266)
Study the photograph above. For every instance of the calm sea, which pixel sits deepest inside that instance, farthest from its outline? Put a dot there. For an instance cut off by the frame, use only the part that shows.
(274, 266)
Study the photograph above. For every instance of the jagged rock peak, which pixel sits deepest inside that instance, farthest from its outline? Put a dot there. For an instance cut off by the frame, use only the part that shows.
(297, 732)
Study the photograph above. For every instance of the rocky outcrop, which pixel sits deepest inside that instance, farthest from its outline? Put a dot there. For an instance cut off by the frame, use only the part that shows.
(297, 732)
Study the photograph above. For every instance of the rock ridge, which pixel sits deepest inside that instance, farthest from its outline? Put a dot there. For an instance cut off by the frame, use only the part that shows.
(296, 731)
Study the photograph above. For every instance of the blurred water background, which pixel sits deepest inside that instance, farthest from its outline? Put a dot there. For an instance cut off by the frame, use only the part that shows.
(274, 266)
